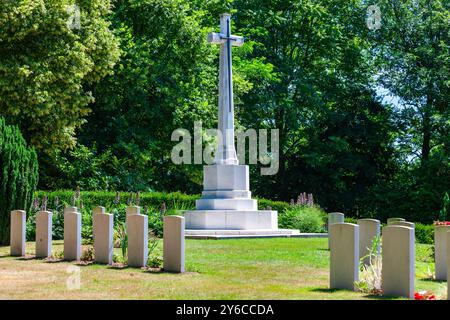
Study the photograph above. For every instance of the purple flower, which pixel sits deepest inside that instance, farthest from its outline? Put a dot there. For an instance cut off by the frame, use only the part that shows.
(117, 198)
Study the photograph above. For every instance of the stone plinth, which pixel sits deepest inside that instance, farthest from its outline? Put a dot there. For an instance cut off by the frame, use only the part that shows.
(369, 230)
(213, 234)
(103, 235)
(344, 255)
(137, 230)
(44, 234)
(17, 232)
(226, 202)
(440, 251)
(226, 187)
(398, 261)
(229, 219)
(174, 251)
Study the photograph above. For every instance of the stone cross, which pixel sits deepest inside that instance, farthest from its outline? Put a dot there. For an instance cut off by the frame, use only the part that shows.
(226, 152)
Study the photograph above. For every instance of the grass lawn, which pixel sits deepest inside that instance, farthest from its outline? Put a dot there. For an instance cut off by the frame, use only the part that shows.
(226, 269)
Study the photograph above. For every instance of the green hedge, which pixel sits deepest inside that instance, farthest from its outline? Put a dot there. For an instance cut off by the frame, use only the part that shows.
(174, 202)
(424, 233)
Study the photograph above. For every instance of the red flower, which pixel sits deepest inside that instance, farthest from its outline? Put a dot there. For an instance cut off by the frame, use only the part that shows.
(442, 223)
(424, 295)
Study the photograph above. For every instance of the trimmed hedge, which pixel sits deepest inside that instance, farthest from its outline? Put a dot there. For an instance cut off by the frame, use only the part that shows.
(424, 233)
(173, 200)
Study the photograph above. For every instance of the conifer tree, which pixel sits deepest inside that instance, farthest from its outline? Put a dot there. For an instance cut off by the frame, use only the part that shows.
(18, 175)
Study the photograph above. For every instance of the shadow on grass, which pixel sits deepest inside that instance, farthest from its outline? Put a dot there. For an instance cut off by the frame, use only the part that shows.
(370, 295)
(83, 263)
(326, 290)
(27, 257)
(161, 271)
(153, 270)
(380, 297)
(117, 266)
(54, 260)
(432, 280)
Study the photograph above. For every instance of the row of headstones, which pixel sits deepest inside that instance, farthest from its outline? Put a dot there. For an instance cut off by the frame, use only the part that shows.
(348, 242)
(103, 231)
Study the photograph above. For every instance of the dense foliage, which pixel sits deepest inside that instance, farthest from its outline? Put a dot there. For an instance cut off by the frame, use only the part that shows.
(18, 175)
(363, 114)
(306, 219)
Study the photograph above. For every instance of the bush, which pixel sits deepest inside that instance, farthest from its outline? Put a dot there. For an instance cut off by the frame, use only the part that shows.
(279, 206)
(18, 175)
(304, 218)
(424, 233)
(350, 220)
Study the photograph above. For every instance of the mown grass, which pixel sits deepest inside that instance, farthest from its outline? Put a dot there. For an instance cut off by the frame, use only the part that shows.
(230, 269)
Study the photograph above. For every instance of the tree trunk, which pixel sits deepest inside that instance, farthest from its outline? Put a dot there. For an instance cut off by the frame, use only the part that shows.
(426, 133)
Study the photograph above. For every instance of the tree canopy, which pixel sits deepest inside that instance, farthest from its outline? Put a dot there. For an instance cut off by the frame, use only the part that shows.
(363, 113)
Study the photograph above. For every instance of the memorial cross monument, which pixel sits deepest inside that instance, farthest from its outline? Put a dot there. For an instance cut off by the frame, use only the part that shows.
(226, 202)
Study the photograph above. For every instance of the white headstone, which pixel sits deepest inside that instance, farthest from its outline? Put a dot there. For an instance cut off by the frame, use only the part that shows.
(70, 209)
(133, 210)
(17, 232)
(137, 230)
(390, 220)
(344, 255)
(403, 223)
(369, 230)
(103, 235)
(174, 251)
(440, 251)
(72, 235)
(334, 217)
(44, 234)
(398, 258)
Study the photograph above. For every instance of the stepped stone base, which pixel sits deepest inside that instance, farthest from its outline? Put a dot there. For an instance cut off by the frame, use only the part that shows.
(227, 204)
(231, 219)
(242, 234)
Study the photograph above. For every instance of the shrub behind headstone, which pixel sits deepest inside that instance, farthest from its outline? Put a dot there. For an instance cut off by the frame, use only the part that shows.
(18, 175)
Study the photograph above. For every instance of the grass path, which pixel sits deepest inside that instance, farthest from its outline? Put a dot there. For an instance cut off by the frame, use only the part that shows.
(229, 269)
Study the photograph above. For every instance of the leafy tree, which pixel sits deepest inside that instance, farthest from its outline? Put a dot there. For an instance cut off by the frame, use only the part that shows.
(413, 57)
(45, 65)
(334, 135)
(166, 79)
(413, 63)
